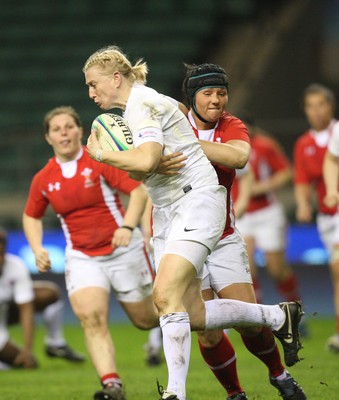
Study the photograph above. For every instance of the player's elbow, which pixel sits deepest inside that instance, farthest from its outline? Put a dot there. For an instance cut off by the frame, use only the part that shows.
(241, 160)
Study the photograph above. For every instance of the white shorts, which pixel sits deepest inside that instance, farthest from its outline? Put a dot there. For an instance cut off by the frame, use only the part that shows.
(328, 228)
(227, 264)
(267, 226)
(127, 271)
(197, 218)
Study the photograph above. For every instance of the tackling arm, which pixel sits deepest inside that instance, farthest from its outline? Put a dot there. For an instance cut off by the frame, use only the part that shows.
(233, 154)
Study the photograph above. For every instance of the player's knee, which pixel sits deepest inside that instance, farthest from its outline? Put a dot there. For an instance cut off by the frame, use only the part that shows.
(210, 338)
(146, 322)
(93, 320)
(249, 331)
(161, 301)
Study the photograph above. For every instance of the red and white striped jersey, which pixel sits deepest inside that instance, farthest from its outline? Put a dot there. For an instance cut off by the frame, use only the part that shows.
(84, 195)
(309, 153)
(228, 128)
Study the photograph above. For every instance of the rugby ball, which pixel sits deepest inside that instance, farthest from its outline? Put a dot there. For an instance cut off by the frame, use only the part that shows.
(112, 132)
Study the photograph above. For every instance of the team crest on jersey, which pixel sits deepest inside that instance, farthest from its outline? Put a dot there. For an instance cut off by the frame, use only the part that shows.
(54, 186)
(86, 173)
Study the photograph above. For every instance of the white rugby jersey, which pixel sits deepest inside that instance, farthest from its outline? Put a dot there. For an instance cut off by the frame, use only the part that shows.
(152, 117)
(15, 285)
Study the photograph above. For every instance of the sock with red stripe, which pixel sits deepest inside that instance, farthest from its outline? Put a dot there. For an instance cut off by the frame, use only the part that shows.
(222, 361)
(264, 347)
(112, 379)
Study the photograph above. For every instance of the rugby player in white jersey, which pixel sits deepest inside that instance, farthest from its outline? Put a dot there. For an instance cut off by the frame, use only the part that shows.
(188, 215)
(20, 299)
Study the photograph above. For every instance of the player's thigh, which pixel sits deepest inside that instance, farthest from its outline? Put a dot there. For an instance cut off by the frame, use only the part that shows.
(142, 313)
(174, 275)
(238, 291)
(90, 304)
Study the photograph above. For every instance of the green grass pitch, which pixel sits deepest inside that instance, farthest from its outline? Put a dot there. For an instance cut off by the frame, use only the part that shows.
(61, 380)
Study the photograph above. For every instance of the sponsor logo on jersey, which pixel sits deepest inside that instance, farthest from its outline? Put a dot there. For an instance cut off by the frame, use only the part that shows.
(54, 186)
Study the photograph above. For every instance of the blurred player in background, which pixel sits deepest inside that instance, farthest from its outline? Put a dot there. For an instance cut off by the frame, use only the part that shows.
(105, 247)
(188, 214)
(225, 141)
(20, 299)
(309, 154)
(263, 226)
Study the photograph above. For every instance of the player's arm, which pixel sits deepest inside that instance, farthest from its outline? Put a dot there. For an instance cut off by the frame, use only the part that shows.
(331, 178)
(276, 181)
(245, 184)
(303, 198)
(33, 230)
(143, 159)
(134, 211)
(233, 154)
(145, 223)
(26, 318)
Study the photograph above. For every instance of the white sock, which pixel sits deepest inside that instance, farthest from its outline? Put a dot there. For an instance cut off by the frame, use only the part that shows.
(176, 334)
(155, 339)
(52, 318)
(224, 313)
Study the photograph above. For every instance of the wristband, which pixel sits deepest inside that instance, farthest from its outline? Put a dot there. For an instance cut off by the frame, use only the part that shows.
(98, 155)
(127, 227)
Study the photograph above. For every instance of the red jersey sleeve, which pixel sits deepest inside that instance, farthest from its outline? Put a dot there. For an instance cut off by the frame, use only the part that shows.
(231, 128)
(300, 172)
(37, 202)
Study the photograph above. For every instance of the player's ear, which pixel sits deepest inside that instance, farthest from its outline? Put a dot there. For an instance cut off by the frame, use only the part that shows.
(81, 133)
(48, 140)
(116, 79)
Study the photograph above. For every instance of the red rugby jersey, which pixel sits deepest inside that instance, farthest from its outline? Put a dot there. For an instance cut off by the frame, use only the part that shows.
(308, 165)
(87, 204)
(228, 128)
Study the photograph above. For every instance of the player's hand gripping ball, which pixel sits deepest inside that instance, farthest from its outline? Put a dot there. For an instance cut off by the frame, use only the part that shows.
(112, 132)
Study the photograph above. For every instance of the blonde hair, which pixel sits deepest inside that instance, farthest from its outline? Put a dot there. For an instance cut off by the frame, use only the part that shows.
(111, 59)
(61, 110)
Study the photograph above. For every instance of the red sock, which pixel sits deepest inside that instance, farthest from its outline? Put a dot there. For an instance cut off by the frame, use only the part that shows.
(112, 378)
(288, 288)
(222, 361)
(264, 347)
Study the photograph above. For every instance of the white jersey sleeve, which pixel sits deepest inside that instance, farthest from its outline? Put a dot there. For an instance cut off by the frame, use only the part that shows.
(333, 145)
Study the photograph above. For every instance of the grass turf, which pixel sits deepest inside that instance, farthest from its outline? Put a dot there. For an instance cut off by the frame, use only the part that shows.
(60, 380)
